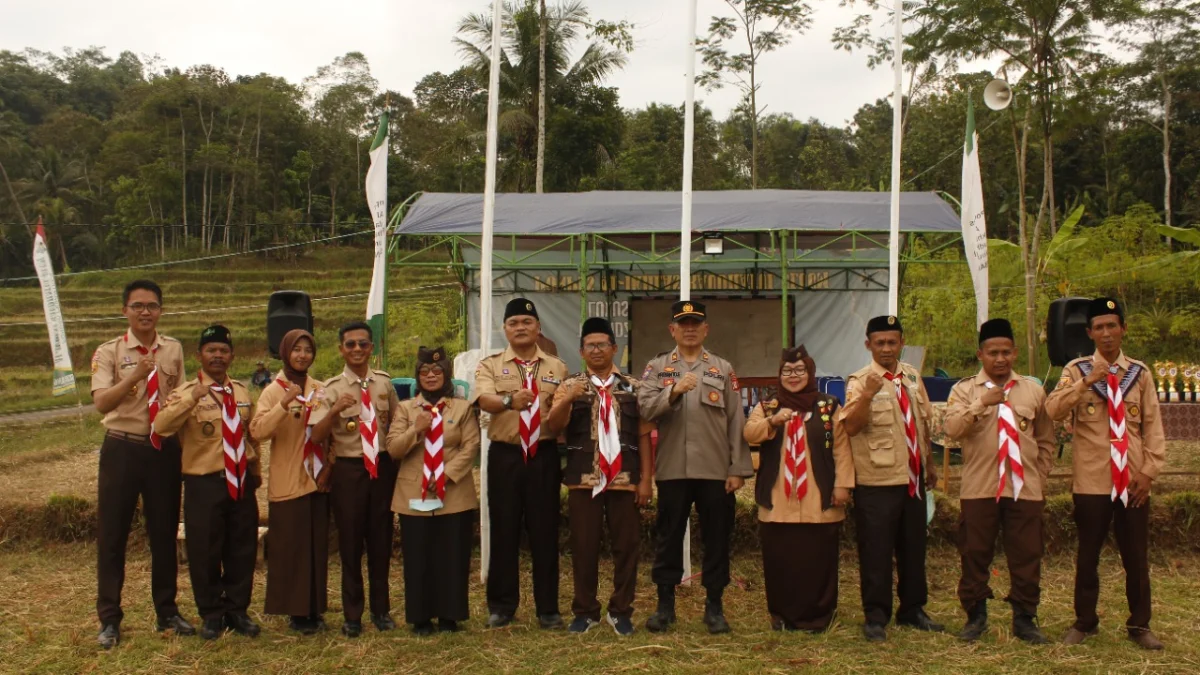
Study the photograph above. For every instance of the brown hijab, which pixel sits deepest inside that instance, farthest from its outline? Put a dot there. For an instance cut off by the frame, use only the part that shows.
(801, 401)
(434, 356)
(286, 345)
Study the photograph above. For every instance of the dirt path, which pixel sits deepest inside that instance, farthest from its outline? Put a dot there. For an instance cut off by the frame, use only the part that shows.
(48, 414)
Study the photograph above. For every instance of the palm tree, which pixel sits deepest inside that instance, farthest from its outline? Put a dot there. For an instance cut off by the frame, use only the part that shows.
(520, 65)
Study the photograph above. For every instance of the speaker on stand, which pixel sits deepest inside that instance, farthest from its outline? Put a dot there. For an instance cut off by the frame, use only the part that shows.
(1066, 331)
(286, 311)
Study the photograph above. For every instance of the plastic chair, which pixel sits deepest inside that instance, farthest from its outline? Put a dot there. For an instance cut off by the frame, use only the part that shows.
(1036, 379)
(405, 387)
(836, 387)
(462, 388)
(940, 372)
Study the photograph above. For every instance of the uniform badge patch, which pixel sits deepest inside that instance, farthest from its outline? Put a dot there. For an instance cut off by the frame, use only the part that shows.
(668, 382)
(1024, 425)
(714, 396)
(96, 362)
(649, 369)
(1091, 408)
(505, 371)
(1135, 411)
(733, 379)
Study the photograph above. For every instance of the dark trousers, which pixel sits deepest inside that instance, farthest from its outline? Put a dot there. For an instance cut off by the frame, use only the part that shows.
(130, 470)
(523, 495)
(222, 543)
(362, 511)
(587, 516)
(800, 573)
(437, 565)
(890, 524)
(1093, 513)
(981, 520)
(298, 555)
(715, 508)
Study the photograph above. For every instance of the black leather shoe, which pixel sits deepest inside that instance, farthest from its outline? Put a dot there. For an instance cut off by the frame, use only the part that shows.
(242, 625)
(383, 622)
(976, 624)
(177, 624)
(499, 620)
(423, 629)
(550, 621)
(874, 632)
(921, 621)
(1025, 628)
(714, 617)
(110, 636)
(303, 625)
(212, 629)
(352, 629)
(664, 615)
(448, 626)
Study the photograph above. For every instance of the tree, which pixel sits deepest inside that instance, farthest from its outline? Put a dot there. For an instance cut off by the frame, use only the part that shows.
(761, 27)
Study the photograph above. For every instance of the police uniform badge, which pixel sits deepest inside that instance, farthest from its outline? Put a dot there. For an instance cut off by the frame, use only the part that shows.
(714, 396)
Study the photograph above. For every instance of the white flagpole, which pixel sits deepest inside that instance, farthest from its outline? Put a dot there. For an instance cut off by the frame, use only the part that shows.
(485, 270)
(685, 221)
(897, 121)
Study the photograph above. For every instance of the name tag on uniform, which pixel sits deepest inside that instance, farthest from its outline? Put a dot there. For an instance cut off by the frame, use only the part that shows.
(550, 379)
(243, 405)
(424, 505)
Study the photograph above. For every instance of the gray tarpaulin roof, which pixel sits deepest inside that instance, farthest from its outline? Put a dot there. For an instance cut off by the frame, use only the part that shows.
(718, 210)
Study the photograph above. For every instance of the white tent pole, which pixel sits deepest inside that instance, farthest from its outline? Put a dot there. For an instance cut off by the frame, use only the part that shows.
(685, 221)
(485, 269)
(897, 121)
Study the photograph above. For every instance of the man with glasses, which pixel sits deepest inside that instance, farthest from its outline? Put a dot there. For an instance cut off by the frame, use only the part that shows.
(354, 414)
(131, 378)
(609, 472)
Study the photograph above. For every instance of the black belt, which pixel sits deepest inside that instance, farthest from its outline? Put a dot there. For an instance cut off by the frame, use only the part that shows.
(143, 439)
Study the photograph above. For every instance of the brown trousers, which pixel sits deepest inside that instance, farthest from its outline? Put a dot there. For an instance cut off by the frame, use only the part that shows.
(362, 511)
(298, 555)
(587, 515)
(981, 520)
(1093, 513)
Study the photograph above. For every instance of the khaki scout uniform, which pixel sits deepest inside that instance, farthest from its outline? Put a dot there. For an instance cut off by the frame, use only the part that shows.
(131, 468)
(1092, 481)
(362, 506)
(288, 478)
(888, 522)
(221, 533)
(521, 490)
(974, 426)
(700, 445)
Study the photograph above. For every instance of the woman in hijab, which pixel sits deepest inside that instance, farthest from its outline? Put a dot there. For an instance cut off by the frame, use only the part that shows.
(297, 487)
(435, 437)
(805, 475)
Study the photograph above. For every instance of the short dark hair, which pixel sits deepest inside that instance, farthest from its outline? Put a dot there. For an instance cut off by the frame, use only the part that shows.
(355, 325)
(141, 285)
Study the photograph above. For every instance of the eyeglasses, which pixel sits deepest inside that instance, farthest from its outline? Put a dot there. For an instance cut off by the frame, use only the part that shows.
(140, 307)
(431, 370)
(361, 344)
(597, 346)
(793, 372)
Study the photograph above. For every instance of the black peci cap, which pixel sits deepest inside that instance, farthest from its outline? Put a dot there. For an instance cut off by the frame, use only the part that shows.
(519, 307)
(1103, 306)
(995, 328)
(216, 333)
(598, 324)
(884, 323)
(687, 309)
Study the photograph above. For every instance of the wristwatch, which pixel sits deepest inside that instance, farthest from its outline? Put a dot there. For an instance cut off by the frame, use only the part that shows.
(507, 401)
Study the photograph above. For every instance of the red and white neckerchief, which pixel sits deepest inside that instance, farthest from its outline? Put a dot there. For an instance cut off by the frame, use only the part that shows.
(795, 458)
(233, 438)
(1009, 448)
(1118, 438)
(531, 417)
(910, 433)
(151, 393)
(312, 451)
(435, 459)
(608, 440)
(368, 429)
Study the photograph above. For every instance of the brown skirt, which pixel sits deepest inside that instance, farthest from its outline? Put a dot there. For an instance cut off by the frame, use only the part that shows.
(298, 555)
(800, 567)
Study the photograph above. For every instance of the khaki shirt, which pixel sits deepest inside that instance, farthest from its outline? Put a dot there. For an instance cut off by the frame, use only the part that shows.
(114, 359)
(1089, 413)
(880, 449)
(589, 481)
(345, 439)
(460, 449)
(199, 426)
(808, 508)
(499, 374)
(973, 425)
(288, 478)
(700, 433)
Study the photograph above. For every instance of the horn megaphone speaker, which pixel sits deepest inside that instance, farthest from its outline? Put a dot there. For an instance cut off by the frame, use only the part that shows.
(997, 95)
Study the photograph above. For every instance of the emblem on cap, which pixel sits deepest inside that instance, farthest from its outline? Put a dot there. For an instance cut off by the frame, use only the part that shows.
(891, 321)
(714, 396)
(1111, 304)
(437, 356)
(687, 306)
(529, 306)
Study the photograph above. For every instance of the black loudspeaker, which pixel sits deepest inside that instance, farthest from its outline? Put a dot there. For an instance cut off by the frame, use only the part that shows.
(287, 310)
(1066, 330)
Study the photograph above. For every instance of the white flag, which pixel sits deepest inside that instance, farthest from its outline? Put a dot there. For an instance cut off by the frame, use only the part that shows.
(64, 376)
(377, 202)
(974, 230)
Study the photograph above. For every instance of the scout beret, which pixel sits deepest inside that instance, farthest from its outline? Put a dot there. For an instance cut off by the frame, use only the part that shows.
(598, 324)
(519, 307)
(995, 328)
(1103, 306)
(884, 323)
(435, 355)
(687, 309)
(216, 333)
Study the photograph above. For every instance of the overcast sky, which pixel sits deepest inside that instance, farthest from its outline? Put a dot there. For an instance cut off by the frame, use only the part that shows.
(407, 39)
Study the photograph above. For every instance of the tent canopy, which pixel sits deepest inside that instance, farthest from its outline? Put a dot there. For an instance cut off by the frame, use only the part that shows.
(615, 212)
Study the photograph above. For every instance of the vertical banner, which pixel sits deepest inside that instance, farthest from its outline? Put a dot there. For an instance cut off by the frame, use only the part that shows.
(64, 376)
(974, 229)
(377, 202)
